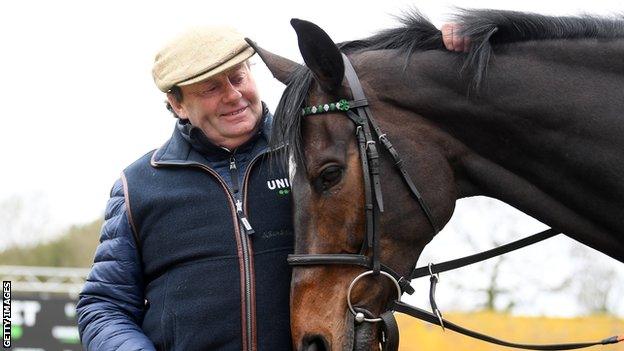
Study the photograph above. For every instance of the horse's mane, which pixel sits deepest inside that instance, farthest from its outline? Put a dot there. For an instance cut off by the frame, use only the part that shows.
(486, 29)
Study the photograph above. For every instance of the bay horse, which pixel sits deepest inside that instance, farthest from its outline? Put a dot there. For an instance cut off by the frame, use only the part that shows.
(531, 116)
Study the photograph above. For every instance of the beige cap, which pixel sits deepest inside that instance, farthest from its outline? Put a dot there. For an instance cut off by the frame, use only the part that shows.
(198, 54)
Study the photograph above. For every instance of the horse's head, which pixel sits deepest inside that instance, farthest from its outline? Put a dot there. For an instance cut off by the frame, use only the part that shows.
(329, 192)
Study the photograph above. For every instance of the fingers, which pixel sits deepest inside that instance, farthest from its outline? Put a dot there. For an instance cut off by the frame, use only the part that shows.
(458, 41)
(453, 41)
(466, 44)
(447, 35)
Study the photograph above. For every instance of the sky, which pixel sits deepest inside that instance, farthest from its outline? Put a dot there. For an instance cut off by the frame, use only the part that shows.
(79, 103)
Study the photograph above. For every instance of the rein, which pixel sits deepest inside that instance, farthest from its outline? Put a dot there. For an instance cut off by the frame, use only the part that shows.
(366, 125)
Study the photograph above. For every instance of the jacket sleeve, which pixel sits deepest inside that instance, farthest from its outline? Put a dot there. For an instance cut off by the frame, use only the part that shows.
(110, 308)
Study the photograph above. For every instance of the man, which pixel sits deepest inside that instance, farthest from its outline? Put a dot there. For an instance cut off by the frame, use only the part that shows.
(193, 249)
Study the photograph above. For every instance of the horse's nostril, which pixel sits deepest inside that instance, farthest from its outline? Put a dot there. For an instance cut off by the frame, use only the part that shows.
(314, 343)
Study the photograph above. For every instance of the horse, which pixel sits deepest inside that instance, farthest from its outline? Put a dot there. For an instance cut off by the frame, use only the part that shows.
(531, 116)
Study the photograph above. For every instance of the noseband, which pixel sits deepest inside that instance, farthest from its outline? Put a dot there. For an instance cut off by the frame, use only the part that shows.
(366, 127)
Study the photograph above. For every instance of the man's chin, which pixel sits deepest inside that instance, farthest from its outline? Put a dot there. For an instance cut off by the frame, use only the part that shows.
(242, 126)
(241, 132)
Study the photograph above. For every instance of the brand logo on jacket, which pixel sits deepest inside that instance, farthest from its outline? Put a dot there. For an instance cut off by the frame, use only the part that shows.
(281, 186)
(270, 234)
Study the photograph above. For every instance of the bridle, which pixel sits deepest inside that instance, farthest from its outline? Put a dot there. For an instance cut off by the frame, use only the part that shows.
(369, 157)
(357, 110)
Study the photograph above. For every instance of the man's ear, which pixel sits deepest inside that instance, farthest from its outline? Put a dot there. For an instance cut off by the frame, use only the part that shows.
(177, 107)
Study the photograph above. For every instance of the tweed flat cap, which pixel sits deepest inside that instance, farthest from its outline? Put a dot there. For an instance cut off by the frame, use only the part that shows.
(198, 54)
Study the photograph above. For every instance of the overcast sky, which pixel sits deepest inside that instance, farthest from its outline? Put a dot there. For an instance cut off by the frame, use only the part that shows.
(79, 103)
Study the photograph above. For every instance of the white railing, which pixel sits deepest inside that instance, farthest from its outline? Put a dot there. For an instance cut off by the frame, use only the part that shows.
(62, 280)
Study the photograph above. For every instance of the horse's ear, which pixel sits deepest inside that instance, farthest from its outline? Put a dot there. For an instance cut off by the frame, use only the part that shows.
(320, 54)
(280, 67)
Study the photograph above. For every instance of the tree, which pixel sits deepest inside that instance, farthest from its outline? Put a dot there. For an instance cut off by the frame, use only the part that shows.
(597, 284)
(23, 220)
(74, 248)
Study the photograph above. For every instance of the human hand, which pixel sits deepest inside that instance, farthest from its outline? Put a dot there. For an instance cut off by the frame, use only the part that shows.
(452, 40)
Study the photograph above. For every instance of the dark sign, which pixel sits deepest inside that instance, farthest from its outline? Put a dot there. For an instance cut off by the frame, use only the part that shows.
(43, 322)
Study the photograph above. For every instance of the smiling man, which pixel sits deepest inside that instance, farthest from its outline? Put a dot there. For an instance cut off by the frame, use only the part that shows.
(226, 107)
(193, 250)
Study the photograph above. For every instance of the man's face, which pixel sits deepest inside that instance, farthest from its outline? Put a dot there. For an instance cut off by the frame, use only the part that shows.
(226, 107)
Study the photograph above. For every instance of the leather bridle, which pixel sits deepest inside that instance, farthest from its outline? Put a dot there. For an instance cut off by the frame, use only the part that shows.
(366, 127)
(374, 205)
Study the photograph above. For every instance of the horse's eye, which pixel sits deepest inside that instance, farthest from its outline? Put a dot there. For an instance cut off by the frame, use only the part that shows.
(329, 177)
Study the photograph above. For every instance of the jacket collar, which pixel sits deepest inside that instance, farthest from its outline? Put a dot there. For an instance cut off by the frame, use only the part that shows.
(189, 145)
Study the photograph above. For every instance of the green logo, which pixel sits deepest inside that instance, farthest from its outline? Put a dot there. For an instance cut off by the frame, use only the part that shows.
(282, 186)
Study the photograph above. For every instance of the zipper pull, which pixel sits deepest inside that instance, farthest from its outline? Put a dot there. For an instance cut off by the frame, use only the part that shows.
(234, 174)
(243, 219)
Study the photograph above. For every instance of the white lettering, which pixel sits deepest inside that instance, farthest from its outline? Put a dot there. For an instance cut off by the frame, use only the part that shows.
(25, 312)
(271, 184)
(70, 310)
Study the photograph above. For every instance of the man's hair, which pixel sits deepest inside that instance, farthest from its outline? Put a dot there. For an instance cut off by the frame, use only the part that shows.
(176, 92)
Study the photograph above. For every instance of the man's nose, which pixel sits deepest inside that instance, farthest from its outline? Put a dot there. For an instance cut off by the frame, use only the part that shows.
(232, 93)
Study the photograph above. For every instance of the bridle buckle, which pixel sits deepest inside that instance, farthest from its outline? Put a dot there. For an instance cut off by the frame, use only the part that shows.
(434, 279)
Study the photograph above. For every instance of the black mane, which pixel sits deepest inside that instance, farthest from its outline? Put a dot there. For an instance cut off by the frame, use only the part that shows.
(515, 26)
(486, 28)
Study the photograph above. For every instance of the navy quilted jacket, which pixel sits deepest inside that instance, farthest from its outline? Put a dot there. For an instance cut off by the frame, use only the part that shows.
(111, 304)
(170, 274)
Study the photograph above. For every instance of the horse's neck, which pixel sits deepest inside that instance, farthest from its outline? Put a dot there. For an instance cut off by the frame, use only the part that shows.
(544, 134)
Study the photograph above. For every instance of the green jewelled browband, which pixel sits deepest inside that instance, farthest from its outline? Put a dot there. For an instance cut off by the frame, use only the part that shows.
(342, 105)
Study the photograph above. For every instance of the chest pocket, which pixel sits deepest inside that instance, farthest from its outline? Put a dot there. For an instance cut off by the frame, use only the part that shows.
(269, 206)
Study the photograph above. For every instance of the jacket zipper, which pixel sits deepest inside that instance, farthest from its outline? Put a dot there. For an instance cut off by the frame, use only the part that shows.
(244, 239)
(241, 210)
(236, 203)
(242, 218)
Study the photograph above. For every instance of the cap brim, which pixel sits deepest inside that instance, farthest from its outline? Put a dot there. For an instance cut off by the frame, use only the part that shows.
(235, 60)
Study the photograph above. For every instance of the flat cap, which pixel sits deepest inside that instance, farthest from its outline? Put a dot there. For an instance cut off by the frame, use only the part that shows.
(198, 54)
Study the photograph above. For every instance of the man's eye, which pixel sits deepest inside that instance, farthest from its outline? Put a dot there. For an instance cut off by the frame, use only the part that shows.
(237, 79)
(208, 91)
